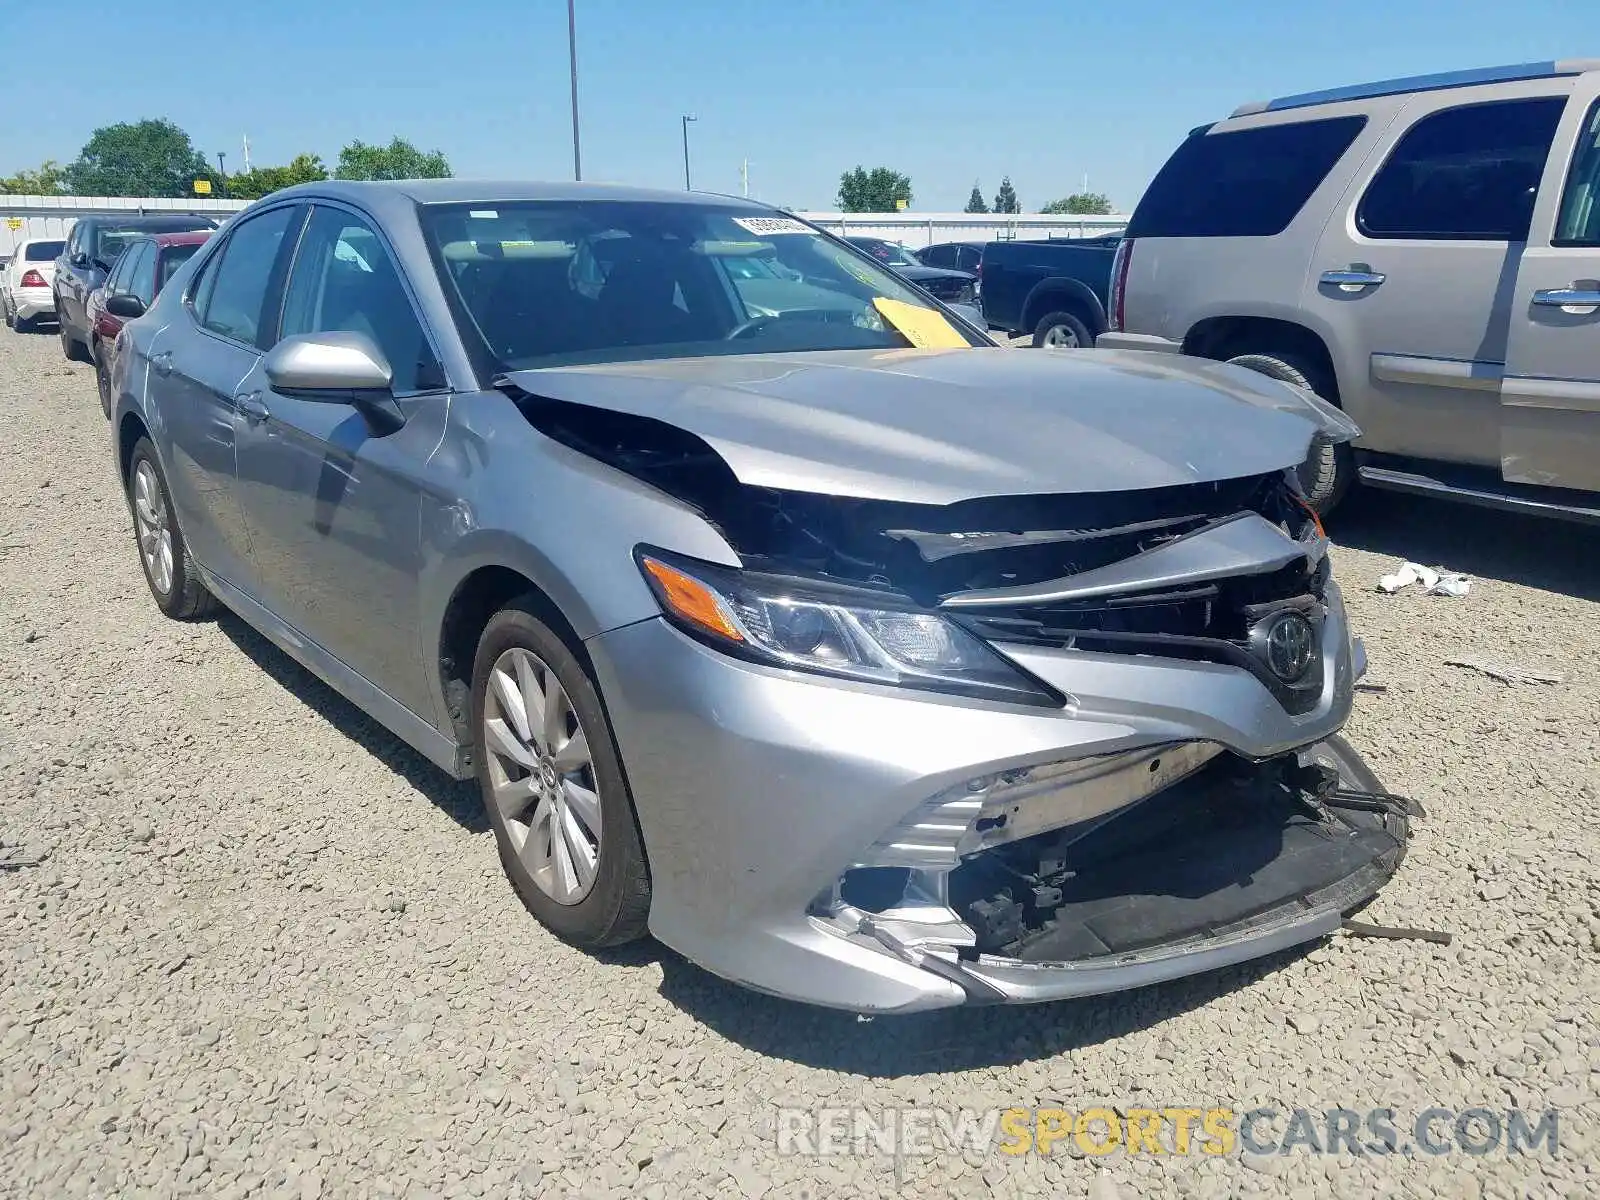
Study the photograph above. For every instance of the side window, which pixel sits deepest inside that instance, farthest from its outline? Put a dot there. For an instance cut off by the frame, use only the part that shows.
(142, 277)
(232, 299)
(1464, 174)
(344, 280)
(117, 281)
(1579, 223)
(937, 256)
(1243, 182)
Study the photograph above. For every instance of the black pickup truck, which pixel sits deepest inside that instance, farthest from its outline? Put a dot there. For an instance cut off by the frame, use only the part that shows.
(1055, 290)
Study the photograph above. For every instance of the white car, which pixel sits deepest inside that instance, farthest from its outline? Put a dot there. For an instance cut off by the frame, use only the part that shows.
(25, 294)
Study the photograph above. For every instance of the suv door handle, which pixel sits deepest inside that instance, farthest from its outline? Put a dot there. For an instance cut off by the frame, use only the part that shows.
(1351, 279)
(162, 363)
(1573, 297)
(251, 405)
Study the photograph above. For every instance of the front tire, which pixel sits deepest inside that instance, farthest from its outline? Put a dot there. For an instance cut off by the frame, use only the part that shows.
(1062, 330)
(1328, 471)
(168, 570)
(553, 785)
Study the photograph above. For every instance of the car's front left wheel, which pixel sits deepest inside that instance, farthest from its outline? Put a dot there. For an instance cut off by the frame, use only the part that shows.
(174, 582)
(553, 784)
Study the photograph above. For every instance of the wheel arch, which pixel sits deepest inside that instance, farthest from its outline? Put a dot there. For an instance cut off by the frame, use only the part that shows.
(1067, 294)
(1224, 337)
(130, 428)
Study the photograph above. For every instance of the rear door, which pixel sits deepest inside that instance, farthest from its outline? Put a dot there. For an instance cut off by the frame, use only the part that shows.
(1550, 401)
(207, 360)
(1414, 273)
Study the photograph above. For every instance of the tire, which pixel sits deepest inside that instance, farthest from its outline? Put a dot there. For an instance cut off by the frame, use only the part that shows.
(184, 597)
(1067, 328)
(1328, 471)
(71, 348)
(102, 378)
(616, 905)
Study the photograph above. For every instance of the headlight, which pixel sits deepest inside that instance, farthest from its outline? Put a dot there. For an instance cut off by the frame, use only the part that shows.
(795, 623)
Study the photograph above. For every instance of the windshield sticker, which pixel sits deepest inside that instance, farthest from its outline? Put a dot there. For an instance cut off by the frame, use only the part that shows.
(924, 328)
(767, 226)
(484, 214)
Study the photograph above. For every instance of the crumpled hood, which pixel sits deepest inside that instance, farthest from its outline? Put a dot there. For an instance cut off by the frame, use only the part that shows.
(940, 426)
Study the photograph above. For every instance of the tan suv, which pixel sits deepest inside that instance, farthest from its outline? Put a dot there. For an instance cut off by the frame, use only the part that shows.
(1424, 253)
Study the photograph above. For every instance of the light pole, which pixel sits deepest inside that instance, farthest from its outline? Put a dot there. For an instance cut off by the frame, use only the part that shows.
(687, 117)
(222, 171)
(572, 54)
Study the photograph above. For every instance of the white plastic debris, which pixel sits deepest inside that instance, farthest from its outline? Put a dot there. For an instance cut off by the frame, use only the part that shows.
(1435, 583)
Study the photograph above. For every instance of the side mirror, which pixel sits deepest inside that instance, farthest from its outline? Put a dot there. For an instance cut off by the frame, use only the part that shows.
(125, 305)
(335, 368)
(80, 259)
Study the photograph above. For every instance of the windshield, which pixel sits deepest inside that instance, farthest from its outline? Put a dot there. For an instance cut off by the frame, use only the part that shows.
(545, 283)
(110, 242)
(892, 253)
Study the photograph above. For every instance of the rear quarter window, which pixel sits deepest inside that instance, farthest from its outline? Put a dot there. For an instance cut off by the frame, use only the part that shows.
(1247, 183)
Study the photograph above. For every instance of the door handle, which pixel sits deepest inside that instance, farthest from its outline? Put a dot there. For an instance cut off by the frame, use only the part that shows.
(251, 405)
(1572, 297)
(1353, 279)
(162, 363)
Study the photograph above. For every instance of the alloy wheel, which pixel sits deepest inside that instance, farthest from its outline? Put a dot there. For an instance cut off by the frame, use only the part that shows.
(541, 775)
(1061, 335)
(155, 526)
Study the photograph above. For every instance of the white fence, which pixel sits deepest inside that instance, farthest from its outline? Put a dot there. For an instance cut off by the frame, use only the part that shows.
(917, 230)
(24, 217)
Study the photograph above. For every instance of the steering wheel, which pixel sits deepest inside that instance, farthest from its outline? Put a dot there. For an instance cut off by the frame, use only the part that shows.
(754, 323)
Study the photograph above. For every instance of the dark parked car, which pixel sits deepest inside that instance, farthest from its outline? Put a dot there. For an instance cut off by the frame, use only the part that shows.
(92, 248)
(954, 256)
(953, 287)
(1055, 290)
(140, 272)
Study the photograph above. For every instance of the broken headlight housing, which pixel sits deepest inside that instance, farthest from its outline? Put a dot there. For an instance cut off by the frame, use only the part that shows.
(848, 633)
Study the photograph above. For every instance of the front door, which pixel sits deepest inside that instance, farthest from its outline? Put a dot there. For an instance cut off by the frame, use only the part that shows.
(201, 364)
(332, 499)
(1550, 402)
(1417, 271)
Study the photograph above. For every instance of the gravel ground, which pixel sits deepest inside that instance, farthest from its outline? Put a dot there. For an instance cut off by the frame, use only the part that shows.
(266, 950)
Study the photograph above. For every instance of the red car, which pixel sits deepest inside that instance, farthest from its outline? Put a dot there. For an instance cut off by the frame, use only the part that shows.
(141, 271)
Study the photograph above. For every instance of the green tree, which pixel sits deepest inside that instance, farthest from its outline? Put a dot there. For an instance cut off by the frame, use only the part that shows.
(145, 158)
(1089, 204)
(398, 160)
(975, 202)
(262, 181)
(1005, 200)
(877, 190)
(48, 179)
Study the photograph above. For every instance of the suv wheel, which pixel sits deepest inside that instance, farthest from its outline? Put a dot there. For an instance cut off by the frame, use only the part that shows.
(1062, 329)
(553, 785)
(1328, 471)
(168, 569)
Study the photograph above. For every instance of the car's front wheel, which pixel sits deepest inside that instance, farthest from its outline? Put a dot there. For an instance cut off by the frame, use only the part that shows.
(553, 784)
(174, 582)
(1063, 330)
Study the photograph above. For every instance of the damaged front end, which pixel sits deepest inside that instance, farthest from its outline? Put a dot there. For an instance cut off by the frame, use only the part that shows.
(1200, 809)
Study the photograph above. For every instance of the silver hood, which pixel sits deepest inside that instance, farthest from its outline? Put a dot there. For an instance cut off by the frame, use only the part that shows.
(940, 426)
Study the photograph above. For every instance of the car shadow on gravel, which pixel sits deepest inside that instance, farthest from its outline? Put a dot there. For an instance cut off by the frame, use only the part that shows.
(1554, 556)
(458, 799)
(955, 1039)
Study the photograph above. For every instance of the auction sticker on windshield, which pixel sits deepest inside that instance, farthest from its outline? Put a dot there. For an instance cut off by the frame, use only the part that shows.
(767, 226)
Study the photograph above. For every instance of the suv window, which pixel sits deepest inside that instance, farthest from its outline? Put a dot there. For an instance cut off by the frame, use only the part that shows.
(1464, 174)
(1248, 183)
(232, 299)
(1579, 224)
(344, 280)
(142, 277)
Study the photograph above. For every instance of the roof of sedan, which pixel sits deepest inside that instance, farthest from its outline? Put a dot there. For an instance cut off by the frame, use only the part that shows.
(187, 237)
(456, 191)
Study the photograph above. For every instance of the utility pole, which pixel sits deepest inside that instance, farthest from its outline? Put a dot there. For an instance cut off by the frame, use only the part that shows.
(222, 172)
(247, 153)
(687, 117)
(572, 54)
